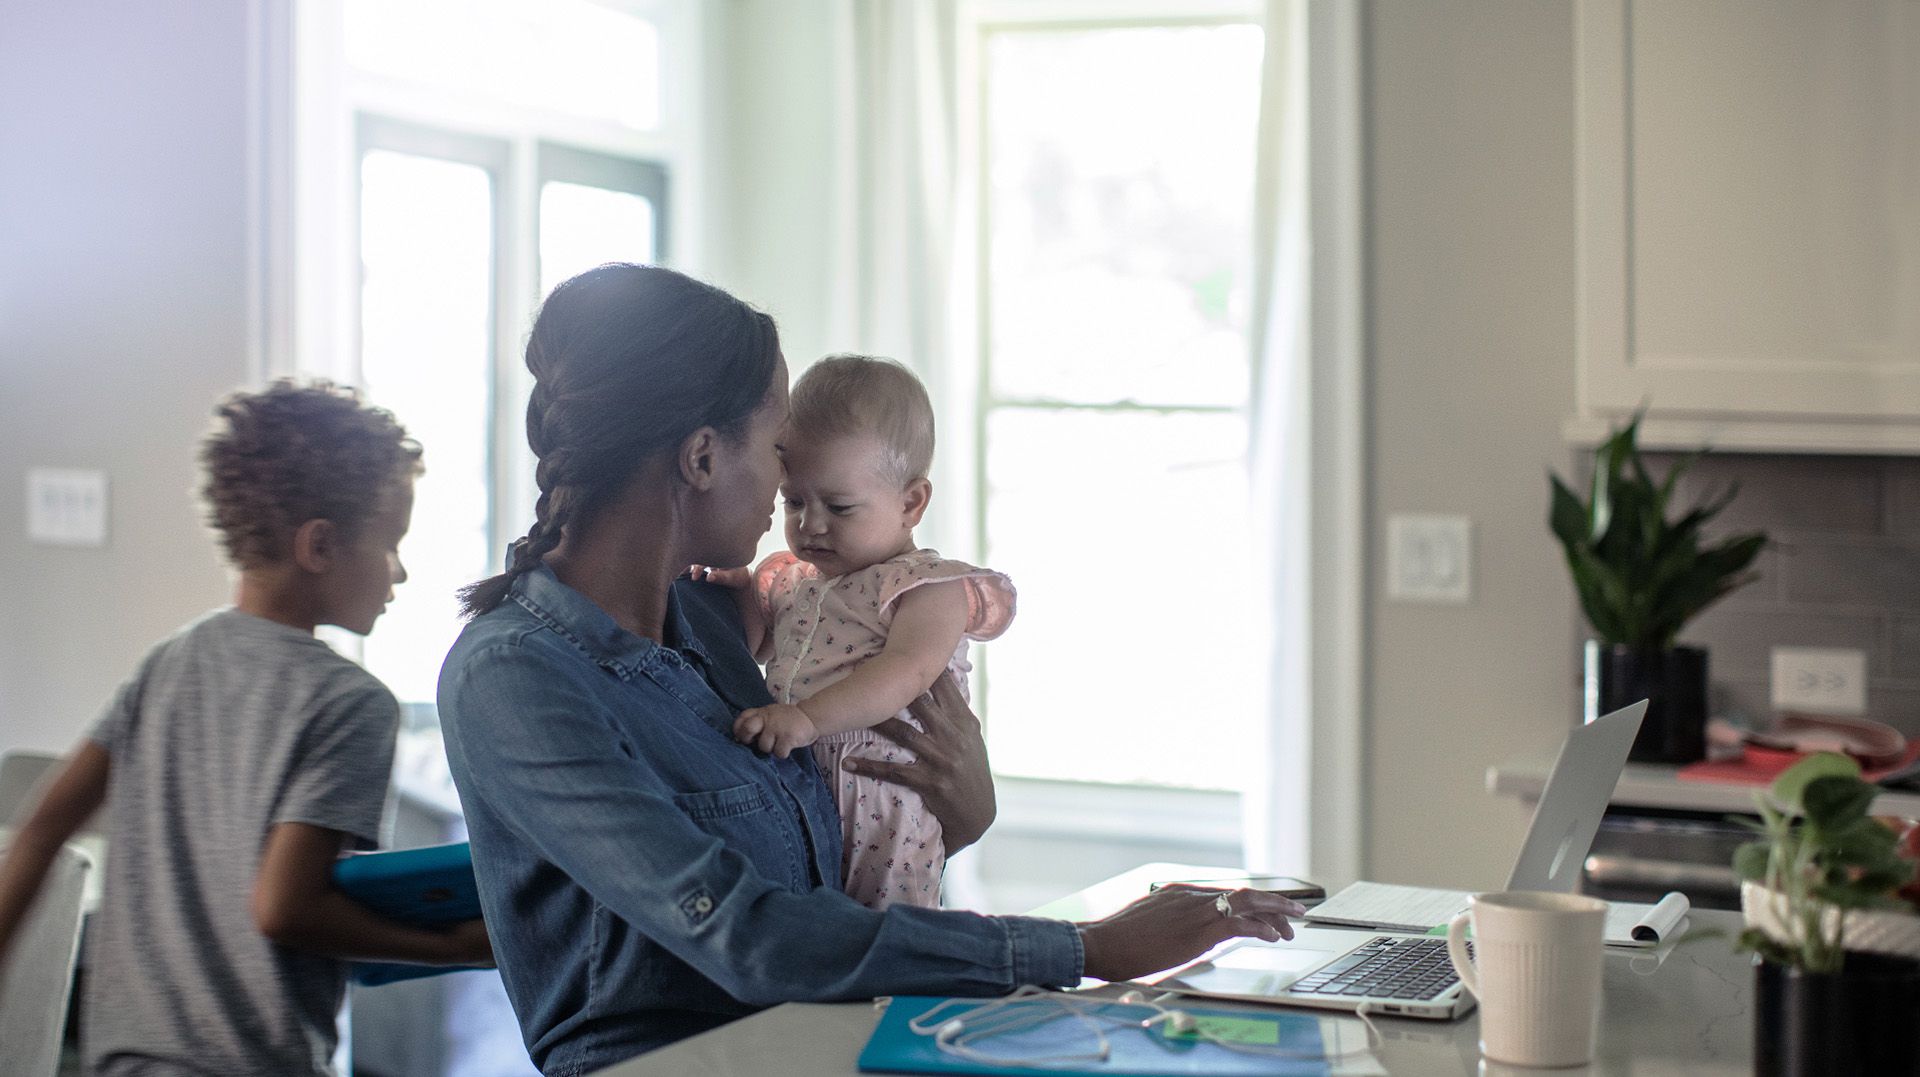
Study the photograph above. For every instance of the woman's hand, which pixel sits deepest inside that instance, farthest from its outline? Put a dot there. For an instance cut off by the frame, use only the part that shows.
(950, 772)
(1177, 923)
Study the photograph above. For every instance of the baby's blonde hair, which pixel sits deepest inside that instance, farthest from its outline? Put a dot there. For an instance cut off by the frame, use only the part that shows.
(861, 395)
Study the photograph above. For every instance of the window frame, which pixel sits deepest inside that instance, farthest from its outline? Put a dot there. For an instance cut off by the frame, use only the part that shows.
(307, 208)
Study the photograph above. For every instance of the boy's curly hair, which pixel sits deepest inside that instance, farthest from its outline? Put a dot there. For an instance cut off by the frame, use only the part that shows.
(292, 453)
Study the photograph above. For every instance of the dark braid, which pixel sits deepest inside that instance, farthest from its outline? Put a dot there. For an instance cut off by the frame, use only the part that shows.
(627, 362)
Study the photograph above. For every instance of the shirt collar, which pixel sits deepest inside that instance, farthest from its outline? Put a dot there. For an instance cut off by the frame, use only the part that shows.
(591, 629)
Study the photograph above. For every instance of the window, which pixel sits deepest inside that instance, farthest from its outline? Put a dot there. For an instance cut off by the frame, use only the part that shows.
(1116, 167)
(496, 148)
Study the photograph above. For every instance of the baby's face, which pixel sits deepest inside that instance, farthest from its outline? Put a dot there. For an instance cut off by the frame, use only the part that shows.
(842, 513)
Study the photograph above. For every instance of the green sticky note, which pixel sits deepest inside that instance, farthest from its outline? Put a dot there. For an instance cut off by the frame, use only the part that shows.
(1223, 1029)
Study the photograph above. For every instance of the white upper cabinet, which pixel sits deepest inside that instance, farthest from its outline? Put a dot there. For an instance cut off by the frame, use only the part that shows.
(1749, 214)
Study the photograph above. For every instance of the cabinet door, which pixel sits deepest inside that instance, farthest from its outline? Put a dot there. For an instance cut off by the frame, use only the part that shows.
(1750, 209)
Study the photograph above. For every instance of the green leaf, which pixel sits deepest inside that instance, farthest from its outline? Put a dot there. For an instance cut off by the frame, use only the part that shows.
(1834, 801)
(1568, 517)
(1750, 861)
(1788, 788)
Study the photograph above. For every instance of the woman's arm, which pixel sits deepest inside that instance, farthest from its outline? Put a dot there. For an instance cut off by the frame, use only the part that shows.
(69, 801)
(950, 772)
(296, 905)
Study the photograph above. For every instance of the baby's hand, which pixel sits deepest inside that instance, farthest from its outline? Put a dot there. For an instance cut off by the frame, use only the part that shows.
(738, 578)
(776, 729)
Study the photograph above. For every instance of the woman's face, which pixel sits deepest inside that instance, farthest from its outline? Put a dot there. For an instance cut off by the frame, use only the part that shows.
(744, 491)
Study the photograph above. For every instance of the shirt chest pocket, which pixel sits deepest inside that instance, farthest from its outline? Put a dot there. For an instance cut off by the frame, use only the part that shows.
(748, 821)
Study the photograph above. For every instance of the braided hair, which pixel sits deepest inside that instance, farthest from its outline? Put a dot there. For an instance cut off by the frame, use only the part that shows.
(627, 361)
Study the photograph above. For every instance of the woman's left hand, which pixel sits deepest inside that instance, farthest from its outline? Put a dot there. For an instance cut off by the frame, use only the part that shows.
(950, 772)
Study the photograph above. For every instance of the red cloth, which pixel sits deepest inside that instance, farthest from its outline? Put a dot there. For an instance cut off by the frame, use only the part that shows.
(1760, 766)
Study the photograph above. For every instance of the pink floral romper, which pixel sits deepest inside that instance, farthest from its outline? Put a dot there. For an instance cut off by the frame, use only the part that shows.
(821, 629)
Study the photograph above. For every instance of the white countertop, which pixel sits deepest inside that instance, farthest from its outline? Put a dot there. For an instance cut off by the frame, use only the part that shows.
(1649, 785)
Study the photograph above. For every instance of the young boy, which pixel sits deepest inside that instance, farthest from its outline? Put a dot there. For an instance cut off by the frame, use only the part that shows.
(242, 758)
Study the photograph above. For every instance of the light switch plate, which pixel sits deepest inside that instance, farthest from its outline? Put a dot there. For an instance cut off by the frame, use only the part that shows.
(66, 507)
(1823, 680)
(1429, 558)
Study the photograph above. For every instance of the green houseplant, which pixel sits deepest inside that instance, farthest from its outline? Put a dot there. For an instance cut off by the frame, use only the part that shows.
(1827, 893)
(1642, 571)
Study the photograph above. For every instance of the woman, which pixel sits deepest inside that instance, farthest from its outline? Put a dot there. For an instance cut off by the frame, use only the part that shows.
(645, 877)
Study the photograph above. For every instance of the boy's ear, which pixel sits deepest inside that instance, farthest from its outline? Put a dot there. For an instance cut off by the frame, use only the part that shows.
(315, 544)
(696, 460)
(919, 494)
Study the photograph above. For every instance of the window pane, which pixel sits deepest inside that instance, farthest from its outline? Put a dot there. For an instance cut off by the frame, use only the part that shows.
(426, 242)
(582, 227)
(1119, 189)
(570, 56)
(1129, 660)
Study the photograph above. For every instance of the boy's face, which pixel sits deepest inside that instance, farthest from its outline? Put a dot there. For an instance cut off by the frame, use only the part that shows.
(368, 567)
(842, 513)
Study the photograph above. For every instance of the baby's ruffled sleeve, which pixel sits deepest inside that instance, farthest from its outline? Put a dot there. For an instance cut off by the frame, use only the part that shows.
(773, 582)
(991, 597)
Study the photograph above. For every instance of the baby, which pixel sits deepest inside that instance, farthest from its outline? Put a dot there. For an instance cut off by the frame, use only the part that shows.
(856, 622)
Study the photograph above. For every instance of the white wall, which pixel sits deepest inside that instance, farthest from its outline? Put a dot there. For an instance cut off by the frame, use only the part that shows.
(123, 316)
(1471, 316)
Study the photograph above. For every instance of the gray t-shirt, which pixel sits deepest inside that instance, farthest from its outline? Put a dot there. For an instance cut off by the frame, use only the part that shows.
(230, 726)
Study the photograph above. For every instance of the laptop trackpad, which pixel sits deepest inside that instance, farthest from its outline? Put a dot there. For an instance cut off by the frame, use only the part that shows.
(1255, 968)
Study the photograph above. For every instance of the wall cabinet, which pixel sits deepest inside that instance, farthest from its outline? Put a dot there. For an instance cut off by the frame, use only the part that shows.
(1749, 221)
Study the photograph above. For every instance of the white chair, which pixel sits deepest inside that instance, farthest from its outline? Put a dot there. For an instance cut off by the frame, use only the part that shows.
(20, 776)
(38, 977)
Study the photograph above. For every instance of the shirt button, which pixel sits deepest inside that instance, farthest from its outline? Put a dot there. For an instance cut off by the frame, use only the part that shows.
(703, 904)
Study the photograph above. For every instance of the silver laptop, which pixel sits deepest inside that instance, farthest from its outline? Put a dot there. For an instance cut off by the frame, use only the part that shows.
(1407, 973)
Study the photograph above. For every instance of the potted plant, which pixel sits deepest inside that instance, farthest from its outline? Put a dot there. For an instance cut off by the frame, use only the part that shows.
(1641, 576)
(1828, 894)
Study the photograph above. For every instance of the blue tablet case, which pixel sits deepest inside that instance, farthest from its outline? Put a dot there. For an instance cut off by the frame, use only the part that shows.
(1136, 1052)
(426, 887)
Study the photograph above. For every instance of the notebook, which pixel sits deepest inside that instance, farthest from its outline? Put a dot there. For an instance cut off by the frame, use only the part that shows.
(896, 1048)
(426, 887)
(1558, 839)
(1421, 908)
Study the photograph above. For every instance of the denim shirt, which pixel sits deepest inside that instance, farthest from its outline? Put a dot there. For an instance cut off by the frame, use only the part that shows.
(645, 877)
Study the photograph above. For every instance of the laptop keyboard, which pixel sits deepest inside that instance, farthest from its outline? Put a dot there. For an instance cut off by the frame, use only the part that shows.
(1414, 969)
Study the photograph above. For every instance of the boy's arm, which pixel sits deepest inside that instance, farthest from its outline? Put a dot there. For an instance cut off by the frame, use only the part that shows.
(72, 798)
(296, 905)
(928, 622)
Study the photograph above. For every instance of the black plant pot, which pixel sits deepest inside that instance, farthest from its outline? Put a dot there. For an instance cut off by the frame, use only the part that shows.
(1860, 1020)
(1674, 684)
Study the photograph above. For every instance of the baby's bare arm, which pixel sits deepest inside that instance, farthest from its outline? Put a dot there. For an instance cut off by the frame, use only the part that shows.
(928, 622)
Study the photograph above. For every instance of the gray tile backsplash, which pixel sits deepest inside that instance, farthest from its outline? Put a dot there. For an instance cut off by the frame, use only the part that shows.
(1843, 571)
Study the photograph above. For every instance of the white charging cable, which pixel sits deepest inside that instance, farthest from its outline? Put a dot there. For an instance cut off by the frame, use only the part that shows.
(957, 1033)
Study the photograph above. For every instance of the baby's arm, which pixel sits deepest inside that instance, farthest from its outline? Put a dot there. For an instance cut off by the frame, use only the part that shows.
(751, 618)
(928, 622)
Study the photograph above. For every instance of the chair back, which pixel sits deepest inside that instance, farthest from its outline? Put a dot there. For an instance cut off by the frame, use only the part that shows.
(37, 978)
(21, 777)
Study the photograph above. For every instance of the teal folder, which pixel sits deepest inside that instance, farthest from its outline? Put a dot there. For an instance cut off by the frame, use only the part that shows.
(1136, 1052)
(431, 886)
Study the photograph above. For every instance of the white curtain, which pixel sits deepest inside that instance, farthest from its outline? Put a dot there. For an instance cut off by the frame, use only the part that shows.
(1276, 810)
(894, 215)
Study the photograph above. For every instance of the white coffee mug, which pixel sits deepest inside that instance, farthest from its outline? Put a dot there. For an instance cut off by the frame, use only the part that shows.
(1535, 968)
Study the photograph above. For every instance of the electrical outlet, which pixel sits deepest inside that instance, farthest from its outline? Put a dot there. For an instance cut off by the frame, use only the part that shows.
(1824, 680)
(1429, 558)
